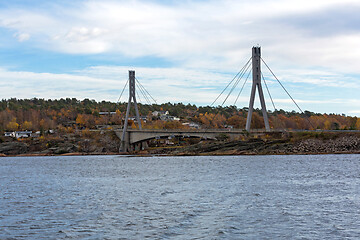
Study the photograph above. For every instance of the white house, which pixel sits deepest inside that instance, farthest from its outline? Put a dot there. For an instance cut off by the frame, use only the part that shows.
(18, 134)
(107, 113)
(9, 134)
(160, 113)
(23, 134)
(192, 125)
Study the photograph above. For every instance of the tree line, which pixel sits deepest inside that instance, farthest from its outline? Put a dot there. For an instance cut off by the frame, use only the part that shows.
(70, 113)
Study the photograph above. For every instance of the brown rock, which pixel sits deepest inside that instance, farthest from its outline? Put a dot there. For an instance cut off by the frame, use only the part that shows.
(13, 148)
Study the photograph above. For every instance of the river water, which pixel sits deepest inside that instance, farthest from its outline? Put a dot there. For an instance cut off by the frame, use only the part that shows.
(212, 197)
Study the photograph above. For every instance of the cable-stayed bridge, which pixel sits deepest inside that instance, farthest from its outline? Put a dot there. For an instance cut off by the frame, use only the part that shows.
(133, 139)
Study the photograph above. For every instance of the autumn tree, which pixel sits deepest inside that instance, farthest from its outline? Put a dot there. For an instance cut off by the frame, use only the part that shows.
(236, 121)
(12, 125)
(80, 119)
(218, 121)
(257, 121)
(37, 114)
(203, 118)
(26, 125)
(357, 124)
(173, 125)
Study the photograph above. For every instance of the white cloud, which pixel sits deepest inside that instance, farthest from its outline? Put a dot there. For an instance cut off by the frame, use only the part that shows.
(204, 41)
(49, 85)
(355, 112)
(21, 37)
(320, 78)
(207, 34)
(82, 34)
(106, 83)
(168, 84)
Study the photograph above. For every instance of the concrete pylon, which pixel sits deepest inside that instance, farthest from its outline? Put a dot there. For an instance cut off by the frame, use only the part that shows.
(132, 97)
(256, 74)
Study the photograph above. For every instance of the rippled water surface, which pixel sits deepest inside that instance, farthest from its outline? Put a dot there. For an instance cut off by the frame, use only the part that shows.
(234, 197)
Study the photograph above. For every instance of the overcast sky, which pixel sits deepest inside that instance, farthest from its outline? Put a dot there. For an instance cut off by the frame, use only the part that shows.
(182, 51)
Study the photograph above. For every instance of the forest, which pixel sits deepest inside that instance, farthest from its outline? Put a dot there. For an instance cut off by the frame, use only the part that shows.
(69, 114)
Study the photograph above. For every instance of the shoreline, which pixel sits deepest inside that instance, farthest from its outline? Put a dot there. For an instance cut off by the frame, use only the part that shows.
(172, 155)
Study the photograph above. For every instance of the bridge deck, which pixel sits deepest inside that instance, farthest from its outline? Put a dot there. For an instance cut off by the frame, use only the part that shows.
(136, 136)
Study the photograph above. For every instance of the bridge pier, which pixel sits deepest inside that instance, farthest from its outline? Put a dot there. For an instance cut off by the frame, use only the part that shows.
(138, 146)
(124, 146)
(125, 141)
(127, 146)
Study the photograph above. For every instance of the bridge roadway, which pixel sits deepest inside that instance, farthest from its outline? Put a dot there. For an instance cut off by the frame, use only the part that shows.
(136, 139)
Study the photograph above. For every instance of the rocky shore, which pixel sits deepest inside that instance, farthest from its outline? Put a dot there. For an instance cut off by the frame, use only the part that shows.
(313, 145)
(67, 144)
(108, 143)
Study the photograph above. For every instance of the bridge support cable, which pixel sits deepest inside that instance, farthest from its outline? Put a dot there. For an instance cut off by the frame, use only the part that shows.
(236, 83)
(144, 89)
(230, 82)
(247, 77)
(267, 89)
(123, 90)
(238, 77)
(282, 86)
(286, 91)
(138, 96)
(143, 93)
